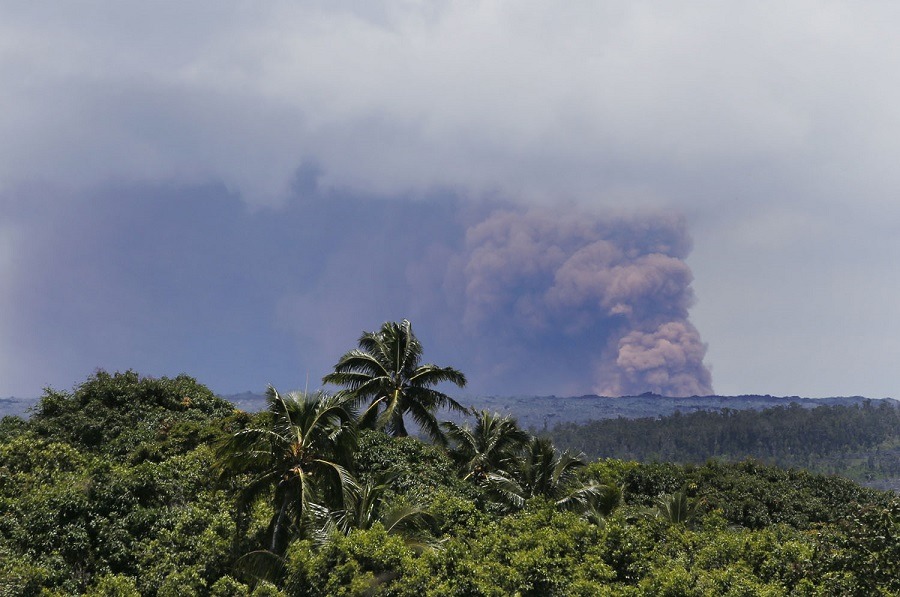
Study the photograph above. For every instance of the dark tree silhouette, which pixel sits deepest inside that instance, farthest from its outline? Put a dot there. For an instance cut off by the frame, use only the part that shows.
(386, 372)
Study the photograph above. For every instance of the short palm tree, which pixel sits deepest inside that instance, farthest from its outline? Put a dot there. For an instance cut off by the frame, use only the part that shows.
(370, 505)
(300, 456)
(676, 508)
(386, 372)
(543, 472)
(492, 446)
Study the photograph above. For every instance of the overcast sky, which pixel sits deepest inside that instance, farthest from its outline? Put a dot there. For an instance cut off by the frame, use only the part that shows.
(563, 198)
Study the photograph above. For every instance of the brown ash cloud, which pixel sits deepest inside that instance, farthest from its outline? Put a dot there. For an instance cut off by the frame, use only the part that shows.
(582, 302)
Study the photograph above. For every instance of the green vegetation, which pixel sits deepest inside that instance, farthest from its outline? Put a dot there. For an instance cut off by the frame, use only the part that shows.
(131, 485)
(861, 442)
(298, 454)
(386, 370)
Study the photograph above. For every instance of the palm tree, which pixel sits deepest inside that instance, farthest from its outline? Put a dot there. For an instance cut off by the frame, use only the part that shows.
(492, 446)
(369, 505)
(386, 371)
(543, 472)
(676, 508)
(607, 498)
(301, 455)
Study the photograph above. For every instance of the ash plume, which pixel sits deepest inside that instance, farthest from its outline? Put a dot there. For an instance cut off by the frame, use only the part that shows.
(562, 298)
(524, 302)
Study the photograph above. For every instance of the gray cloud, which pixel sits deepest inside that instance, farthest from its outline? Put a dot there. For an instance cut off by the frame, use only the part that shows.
(594, 101)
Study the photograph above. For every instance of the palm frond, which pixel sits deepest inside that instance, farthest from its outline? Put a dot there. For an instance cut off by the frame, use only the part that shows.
(505, 489)
(359, 361)
(432, 375)
(261, 565)
(677, 507)
(322, 524)
(385, 370)
(299, 457)
(580, 498)
(565, 466)
(408, 518)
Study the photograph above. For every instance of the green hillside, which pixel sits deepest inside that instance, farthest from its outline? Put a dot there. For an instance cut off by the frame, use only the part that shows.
(860, 441)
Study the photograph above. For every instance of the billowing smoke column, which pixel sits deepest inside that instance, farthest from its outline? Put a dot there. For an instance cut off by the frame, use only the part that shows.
(560, 298)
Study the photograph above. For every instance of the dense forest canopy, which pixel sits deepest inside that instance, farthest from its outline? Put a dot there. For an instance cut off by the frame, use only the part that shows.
(858, 441)
(131, 485)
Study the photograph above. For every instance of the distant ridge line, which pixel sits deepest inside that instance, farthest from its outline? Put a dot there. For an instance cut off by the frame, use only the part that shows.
(545, 411)
(539, 411)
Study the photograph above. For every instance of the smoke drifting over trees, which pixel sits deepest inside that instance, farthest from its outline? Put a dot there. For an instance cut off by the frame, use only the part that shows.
(598, 303)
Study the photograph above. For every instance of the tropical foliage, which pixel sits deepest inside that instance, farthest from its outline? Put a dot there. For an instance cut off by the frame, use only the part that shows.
(173, 491)
(387, 371)
(858, 441)
(301, 455)
(491, 447)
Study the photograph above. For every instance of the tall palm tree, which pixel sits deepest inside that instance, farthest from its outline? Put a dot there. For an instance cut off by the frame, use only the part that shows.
(301, 455)
(493, 445)
(386, 371)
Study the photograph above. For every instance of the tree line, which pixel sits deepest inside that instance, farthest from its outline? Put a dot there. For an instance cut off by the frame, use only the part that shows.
(131, 485)
(858, 441)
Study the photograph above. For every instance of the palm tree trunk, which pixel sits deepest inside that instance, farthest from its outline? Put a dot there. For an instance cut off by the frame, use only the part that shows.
(277, 529)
